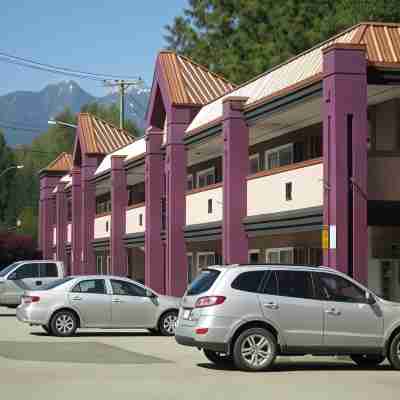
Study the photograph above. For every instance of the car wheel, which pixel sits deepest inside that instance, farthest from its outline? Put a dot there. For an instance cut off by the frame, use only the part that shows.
(218, 358)
(63, 323)
(367, 360)
(255, 350)
(394, 352)
(167, 323)
(46, 329)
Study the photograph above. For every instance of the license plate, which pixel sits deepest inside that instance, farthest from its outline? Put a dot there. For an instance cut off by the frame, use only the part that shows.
(186, 314)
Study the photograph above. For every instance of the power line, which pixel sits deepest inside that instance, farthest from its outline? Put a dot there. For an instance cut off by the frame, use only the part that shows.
(9, 58)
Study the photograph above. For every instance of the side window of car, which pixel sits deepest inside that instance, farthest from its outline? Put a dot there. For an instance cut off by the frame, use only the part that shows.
(95, 286)
(48, 270)
(337, 288)
(248, 281)
(270, 285)
(295, 284)
(123, 288)
(27, 271)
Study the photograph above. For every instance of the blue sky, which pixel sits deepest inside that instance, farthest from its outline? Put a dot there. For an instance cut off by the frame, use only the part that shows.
(116, 37)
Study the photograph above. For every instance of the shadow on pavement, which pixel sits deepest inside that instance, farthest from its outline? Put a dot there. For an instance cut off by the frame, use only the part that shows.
(303, 366)
(104, 334)
(7, 315)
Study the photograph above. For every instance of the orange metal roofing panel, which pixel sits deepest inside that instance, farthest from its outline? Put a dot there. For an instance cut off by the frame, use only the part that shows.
(191, 83)
(61, 164)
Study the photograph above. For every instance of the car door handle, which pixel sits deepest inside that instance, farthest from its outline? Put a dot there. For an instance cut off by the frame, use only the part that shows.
(333, 311)
(76, 298)
(272, 305)
(117, 301)
(38, 283)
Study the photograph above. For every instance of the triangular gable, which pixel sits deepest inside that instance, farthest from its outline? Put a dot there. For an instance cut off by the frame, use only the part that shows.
(63, 163)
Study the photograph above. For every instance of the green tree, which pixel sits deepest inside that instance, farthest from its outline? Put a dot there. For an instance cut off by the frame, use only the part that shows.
(243, 38)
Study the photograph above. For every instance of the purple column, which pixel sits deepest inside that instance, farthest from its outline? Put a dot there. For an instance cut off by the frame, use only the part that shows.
(89, 166)
(176, 173)
(47, 185)
(235, 171)
(76, 249)
(61, 222)
(345, 157)
(154, 188)
(119, 201)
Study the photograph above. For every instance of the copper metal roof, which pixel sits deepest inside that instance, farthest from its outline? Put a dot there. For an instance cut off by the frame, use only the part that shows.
(62, 163)
(100, 137)
(191, 83)
(382, 42)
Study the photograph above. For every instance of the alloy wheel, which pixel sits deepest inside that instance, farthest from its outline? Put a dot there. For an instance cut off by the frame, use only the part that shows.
(256, 350)
(169, 323)
(64, 324)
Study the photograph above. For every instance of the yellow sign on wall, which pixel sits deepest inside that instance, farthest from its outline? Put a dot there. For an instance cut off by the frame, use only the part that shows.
(325, 237)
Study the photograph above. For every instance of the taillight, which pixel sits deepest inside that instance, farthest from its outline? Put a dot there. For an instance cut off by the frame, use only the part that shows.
(208, 301)
(30, 299)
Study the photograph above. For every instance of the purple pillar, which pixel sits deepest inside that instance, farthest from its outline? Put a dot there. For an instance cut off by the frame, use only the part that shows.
(119, 201)
(345, 157)
(176, 173)
(235, 171)
(154, 188)
(76, 249)
(89, 166)
(47, 185)
(61, 222)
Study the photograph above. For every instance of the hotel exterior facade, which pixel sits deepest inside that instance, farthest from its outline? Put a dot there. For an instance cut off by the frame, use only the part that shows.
(298, 165)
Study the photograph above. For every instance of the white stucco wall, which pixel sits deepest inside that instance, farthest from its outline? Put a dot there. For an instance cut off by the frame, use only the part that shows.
(267, 194)
(197, 206)
(133, 219)
(102, 226)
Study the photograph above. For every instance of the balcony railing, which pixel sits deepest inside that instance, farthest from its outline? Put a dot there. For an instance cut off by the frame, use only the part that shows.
(286, 188)
(204, 205)
(135, 218)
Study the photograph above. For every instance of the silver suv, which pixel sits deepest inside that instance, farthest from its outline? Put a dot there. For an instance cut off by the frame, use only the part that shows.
(250, 314)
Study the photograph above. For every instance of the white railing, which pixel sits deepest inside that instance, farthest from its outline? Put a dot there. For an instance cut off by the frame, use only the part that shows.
(204, 205)
(102, 226)
(135, 219)
(299, 186)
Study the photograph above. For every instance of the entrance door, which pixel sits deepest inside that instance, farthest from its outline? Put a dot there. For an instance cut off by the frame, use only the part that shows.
(350, 322)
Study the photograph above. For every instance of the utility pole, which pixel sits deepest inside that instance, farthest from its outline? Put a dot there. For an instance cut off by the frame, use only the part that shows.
(122, 85)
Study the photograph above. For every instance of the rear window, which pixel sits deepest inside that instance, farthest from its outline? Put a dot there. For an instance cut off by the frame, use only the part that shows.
(203, 282)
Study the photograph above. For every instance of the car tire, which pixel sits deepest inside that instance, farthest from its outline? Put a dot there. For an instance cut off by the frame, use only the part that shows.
(46, 329)
(394, 352)
(63, 323)
(216, 358)
(248, 346)
(167, 323)
(366, 360)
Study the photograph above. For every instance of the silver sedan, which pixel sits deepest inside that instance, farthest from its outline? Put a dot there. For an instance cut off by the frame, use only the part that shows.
(98, 302)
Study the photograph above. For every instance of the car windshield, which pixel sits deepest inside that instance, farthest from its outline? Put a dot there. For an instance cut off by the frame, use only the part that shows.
(56, 283)
(203, 282)
(6, 270)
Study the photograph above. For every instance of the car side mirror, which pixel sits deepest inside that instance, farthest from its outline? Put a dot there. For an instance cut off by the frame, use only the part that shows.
(369, 298)
(150, 294)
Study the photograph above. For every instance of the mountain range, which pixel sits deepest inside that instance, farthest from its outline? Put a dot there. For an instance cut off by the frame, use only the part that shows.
(30, 111)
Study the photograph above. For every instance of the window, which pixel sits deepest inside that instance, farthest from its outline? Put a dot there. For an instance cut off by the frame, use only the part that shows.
(140, 219)
(190, 266)
(99, 265)
(103, 203)
(93, 286)
(108, 264)
(254, 256)
(336, 288)
(206, 177)
(123, 288)
(205, 259)
(249, 281)
(203, 282)
(254, 161)
(210, 206)
(48, 270)
(270, 284)
(279, 156)
(27, 271)
(190, 182)
(295, 284)
(282, 255)
(288, 191)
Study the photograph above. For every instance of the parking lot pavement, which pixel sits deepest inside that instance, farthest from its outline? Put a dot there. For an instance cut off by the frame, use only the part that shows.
(99, 364)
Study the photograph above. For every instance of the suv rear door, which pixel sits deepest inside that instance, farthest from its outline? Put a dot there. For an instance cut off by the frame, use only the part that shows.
(288, 300)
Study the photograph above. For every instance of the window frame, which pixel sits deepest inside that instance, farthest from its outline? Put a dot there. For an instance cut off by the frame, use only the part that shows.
(279, 249)
(189, 178)
(204, 173)
(89, 280)
(278, 149)
(206, 254)
(128, 283)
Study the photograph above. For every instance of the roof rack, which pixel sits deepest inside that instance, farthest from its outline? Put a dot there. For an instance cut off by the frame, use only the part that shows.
(278, 265)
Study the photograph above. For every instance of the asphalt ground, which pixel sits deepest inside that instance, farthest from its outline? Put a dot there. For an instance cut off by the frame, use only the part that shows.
(103, 364)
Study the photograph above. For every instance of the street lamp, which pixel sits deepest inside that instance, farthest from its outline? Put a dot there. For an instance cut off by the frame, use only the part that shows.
(9, 168)
(54, 122)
